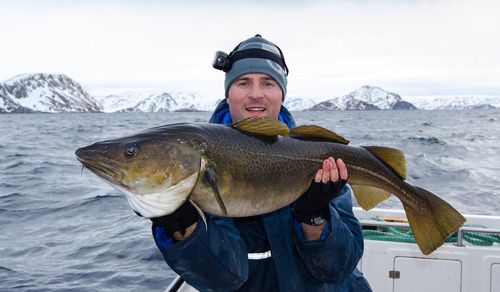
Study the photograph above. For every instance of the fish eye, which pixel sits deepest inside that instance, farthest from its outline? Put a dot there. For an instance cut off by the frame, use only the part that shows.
(131, 150)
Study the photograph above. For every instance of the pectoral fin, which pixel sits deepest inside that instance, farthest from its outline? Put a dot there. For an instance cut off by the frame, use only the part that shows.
(210, 178)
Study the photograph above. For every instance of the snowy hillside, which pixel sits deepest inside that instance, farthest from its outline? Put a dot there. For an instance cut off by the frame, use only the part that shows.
(150, 101)
(365, 98)
(455, 103)
(45, 93)
(298, 103)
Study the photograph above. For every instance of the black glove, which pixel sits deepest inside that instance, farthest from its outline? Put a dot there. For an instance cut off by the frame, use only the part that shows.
(179, 220)
(314, 203)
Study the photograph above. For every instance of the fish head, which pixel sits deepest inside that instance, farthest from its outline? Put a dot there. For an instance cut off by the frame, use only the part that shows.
(156, 174)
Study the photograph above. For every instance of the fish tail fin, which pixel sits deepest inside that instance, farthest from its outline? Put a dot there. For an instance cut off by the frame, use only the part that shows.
(431, 230)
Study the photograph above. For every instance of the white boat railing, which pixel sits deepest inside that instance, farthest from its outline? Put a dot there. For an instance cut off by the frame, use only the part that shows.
(176, 285)
(460, 231)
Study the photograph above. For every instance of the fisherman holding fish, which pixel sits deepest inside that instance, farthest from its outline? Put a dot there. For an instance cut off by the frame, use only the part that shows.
(314, 244)
(251, 202)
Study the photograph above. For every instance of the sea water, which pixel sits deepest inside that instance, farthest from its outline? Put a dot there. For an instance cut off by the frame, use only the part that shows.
(62, 228)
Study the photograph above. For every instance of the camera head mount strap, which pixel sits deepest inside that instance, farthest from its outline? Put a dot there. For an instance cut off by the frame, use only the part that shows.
(256, 53)
(224, 62)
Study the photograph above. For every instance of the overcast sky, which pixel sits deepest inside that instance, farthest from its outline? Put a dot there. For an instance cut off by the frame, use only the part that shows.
(413, 48)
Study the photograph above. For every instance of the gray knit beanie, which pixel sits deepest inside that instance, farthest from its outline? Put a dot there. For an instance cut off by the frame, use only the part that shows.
(265, 65)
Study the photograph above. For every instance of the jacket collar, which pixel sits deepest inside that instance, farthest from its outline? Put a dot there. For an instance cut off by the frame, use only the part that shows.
(221, 115)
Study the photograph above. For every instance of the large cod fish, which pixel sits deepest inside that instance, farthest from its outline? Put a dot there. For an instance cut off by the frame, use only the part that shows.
(254, 167)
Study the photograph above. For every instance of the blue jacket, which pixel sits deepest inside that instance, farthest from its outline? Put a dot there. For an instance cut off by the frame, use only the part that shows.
(217, 258)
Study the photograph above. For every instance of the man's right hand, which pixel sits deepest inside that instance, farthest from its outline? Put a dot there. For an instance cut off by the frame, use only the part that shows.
(181, 223)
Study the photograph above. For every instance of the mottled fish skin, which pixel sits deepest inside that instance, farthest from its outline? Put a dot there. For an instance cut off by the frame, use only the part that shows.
(257, 175)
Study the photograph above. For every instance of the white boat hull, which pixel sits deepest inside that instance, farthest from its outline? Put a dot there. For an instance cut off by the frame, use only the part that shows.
(401, 267)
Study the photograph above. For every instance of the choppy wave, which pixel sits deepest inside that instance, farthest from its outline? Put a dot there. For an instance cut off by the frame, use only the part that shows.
(425, 141)
(12, 197)
(62, 229)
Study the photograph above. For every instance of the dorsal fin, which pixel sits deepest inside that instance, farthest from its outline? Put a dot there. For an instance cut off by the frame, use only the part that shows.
(262, 126)
(313, 132)
(393, 158)
(368, 196)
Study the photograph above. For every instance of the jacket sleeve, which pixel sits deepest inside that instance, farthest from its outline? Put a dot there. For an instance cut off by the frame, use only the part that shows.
(212, 258)
(334, 258)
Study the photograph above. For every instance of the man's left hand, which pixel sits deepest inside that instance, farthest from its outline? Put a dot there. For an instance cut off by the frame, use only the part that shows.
(331, 171)
(327, 185)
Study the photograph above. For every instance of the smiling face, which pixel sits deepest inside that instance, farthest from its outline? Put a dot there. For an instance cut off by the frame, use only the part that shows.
(254, 95)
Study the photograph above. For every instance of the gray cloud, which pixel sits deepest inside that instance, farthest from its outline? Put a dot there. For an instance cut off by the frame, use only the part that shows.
(414, 47)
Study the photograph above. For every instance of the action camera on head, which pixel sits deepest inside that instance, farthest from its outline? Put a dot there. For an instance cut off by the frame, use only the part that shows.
(221, 61)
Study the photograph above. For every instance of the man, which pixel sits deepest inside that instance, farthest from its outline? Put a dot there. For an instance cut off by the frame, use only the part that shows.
(312, 245)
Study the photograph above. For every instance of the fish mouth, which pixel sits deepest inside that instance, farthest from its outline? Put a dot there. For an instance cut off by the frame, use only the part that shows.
(105, 171)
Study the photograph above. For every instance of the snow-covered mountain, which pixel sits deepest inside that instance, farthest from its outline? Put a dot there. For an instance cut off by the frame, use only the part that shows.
(299, 103)
(455, 103)
(59, 93)
(149, 101)
(45, 93)
(366, 98)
